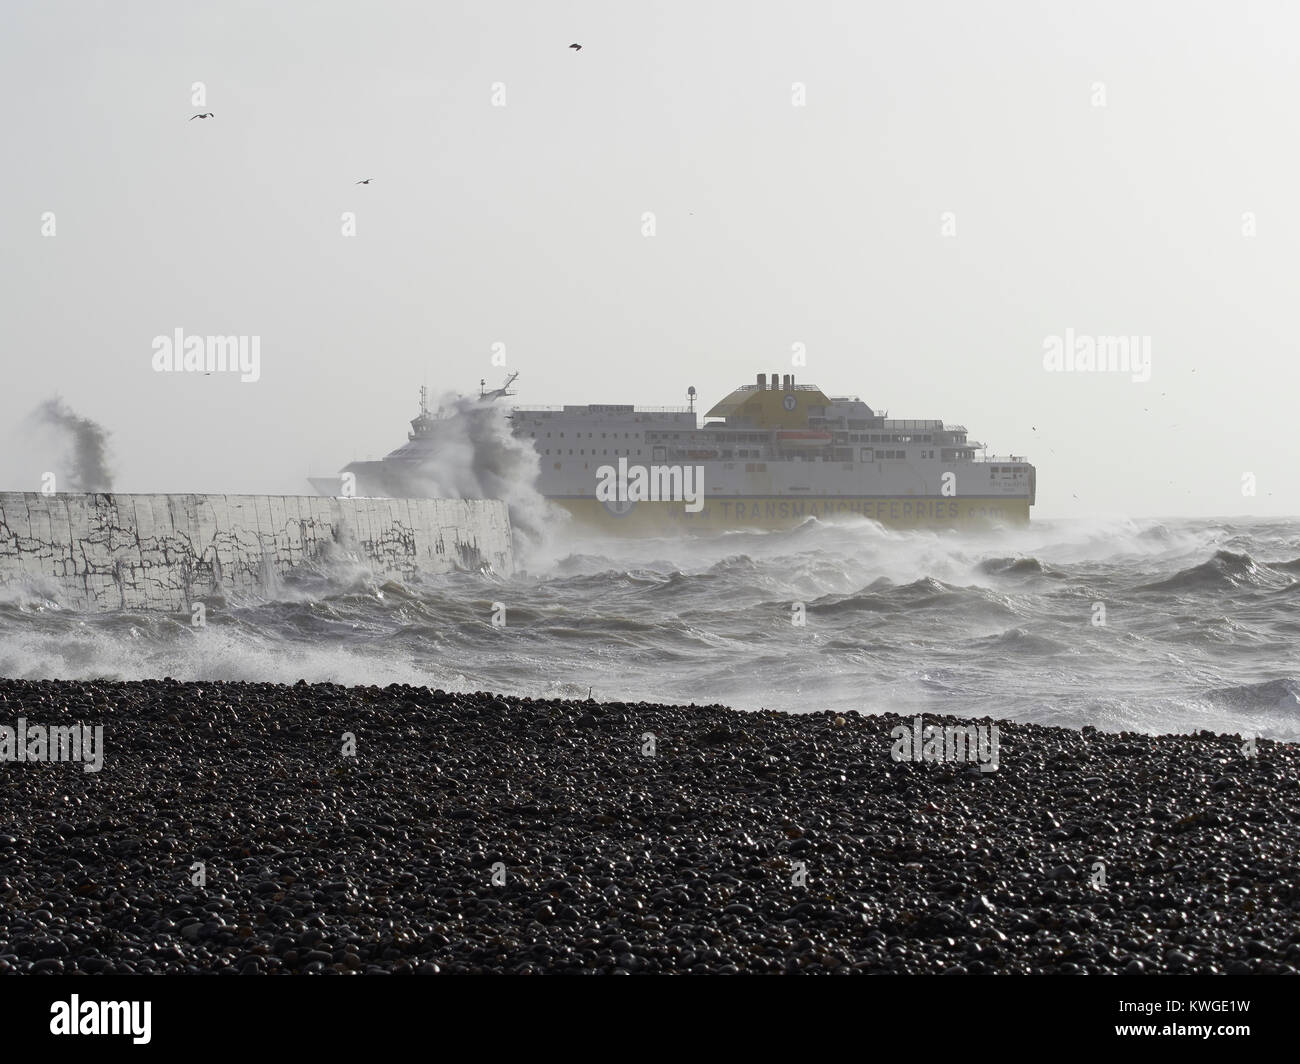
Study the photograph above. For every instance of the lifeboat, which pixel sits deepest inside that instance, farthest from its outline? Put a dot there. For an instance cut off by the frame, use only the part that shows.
(802, 438)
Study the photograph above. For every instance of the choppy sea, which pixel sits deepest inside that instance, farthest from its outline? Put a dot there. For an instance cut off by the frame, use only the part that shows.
(1156, 626)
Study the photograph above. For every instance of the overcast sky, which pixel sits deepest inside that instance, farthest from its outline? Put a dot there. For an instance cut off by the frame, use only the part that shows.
(1103, 166)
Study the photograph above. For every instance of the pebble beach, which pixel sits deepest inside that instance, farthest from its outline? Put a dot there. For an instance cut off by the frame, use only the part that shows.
(263, 828)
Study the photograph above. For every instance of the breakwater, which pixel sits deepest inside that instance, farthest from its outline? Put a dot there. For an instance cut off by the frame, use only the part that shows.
(97, 551)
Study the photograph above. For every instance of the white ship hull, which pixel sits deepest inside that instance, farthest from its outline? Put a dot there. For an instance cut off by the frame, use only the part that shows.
(766, 457)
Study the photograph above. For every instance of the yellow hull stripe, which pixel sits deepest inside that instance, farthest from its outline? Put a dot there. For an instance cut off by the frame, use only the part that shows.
(770, 512)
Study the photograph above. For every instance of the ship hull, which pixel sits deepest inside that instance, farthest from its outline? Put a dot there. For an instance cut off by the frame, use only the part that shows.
(771, 513)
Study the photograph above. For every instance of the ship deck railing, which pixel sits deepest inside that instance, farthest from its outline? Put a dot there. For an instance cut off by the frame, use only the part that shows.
(583, 409)
(914, 423)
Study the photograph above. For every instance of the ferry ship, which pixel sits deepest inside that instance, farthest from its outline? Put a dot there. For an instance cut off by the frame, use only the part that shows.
(768, 456)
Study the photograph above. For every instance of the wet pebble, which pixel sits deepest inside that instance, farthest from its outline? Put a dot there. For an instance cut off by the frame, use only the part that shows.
(481, 833)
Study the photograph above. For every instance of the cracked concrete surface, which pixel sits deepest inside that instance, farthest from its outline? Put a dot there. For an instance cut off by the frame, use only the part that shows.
(164, 552)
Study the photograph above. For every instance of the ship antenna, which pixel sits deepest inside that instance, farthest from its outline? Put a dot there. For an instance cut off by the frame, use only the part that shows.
(424, 400)
(690, 394)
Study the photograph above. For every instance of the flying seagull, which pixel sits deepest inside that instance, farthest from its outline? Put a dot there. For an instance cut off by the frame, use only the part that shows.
(208, 115)
(365, 182)
(576, 47)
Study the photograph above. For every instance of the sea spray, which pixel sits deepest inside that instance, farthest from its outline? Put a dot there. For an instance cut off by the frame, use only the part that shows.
(81, 444)
(476, 456)
(913, 623)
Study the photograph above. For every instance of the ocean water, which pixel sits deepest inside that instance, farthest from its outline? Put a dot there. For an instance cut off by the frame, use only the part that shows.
(1201, 625)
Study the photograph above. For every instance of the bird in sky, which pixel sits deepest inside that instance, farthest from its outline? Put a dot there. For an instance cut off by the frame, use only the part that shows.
(207, 115)
(576, 47)
(365, 182)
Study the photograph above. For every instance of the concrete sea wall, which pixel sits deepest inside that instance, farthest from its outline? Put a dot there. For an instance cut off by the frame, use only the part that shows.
(164, 552)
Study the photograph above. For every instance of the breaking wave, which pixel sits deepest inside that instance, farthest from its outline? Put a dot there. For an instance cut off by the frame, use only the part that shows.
(475, 456)
(829, 616)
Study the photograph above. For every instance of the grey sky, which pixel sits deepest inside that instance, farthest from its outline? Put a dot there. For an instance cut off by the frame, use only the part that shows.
(776, 224)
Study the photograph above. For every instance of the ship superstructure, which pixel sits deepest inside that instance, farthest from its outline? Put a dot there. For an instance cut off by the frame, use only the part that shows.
(769, 455)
